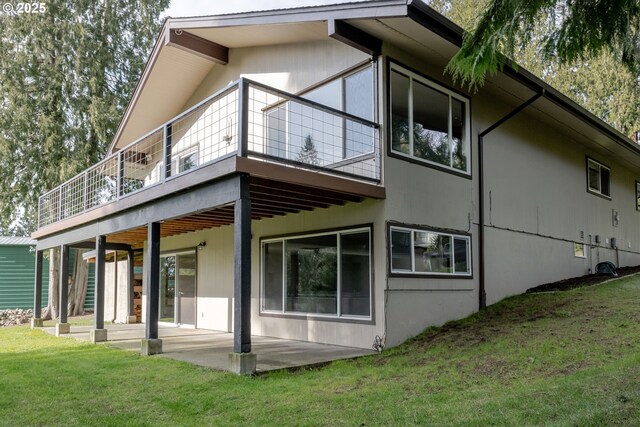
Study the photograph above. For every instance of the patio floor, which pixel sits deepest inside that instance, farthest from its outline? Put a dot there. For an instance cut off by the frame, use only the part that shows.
(211, 348)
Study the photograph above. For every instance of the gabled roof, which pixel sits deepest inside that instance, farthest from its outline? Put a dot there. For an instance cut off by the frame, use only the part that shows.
(172, 74)
(16, 241)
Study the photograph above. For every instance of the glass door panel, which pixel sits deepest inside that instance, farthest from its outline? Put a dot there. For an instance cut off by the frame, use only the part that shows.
(186, 296)
(167, 288)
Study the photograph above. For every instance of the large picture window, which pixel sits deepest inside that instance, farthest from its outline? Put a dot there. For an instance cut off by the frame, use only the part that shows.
(327, 274)
(598, 178)
(428, 122)
(416, 251)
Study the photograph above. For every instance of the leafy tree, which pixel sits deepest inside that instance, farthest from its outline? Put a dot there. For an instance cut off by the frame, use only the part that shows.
(65, 78)
(579, 30)
(597, 81)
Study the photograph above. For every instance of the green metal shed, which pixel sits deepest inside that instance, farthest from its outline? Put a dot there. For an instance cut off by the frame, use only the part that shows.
(17, 274)
(17, 268)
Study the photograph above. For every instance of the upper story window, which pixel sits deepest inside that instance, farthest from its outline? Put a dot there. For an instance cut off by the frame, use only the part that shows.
(428, 121)
(598, 178)
(637, 196)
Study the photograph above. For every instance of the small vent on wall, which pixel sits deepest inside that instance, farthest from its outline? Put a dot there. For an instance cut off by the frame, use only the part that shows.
(581, 234)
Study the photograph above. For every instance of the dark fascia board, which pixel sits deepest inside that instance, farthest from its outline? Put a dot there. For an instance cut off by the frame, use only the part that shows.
(432, 20)
(356, 10)
(354, 37)
(193, 44)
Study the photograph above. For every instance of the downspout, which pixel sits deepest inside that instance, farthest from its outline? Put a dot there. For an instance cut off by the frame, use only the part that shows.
(482, 294)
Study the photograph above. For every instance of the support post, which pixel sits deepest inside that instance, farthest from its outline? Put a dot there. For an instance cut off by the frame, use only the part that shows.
(242, 361)
(99, 333)
(130, 266)
(151, 344)
(36, 321)
(62, 327)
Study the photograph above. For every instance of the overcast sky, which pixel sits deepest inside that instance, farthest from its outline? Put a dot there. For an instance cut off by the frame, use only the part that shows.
(208, 7)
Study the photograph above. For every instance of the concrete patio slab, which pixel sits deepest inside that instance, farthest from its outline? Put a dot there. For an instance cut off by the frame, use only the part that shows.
(211, 348)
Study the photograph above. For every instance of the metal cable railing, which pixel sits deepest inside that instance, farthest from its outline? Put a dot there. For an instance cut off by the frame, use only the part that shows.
(277, 127)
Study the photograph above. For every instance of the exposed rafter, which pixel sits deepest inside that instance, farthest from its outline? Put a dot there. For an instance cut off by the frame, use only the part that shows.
(354, 37)
(198, 46)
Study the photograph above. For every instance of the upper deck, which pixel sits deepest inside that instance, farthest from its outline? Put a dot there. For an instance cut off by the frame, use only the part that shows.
(246, 127)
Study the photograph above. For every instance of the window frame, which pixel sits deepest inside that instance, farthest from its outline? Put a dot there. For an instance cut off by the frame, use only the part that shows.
(411, 229)
(393, 66)
(575, 250)
(637, 195)
(339, 317)
(598, 191)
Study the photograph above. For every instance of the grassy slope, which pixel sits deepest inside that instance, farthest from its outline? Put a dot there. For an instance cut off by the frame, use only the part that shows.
(556, 359)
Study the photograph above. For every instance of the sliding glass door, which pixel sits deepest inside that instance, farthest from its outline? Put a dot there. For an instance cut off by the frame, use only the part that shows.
(178, 288)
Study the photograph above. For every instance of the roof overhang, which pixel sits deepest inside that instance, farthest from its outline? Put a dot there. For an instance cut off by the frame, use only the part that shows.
(409, 24)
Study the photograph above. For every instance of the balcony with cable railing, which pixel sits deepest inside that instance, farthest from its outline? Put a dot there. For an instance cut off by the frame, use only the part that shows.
(244, 120)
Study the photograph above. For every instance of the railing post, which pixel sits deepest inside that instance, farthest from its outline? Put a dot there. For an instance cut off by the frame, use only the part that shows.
(243, 118)
(120, 190)
(61, 203)
(166, 152)
(85, 195)
(39, 211)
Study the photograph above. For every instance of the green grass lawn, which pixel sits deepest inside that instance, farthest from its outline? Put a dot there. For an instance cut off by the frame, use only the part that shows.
(568, 358)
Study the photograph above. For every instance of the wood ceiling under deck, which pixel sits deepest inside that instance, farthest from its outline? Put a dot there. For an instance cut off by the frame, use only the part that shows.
(269, 198)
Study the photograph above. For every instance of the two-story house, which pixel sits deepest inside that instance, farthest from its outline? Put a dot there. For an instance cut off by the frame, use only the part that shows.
(313, 174)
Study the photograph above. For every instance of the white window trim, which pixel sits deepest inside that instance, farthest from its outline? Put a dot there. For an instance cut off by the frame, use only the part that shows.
(429, 273)
(600, 167)
(338, 314)
(467, 108)
(194, 149)
(584, 251)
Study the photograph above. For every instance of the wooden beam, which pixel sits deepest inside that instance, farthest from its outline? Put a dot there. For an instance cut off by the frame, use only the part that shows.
(98, 301)
(152, 265)
(63, 283)
(354, 37)
(198, 46)
(37, 288)
(242, 270)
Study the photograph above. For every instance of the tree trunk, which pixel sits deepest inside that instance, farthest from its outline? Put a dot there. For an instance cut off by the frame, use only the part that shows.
(51, 311)
(79, 283)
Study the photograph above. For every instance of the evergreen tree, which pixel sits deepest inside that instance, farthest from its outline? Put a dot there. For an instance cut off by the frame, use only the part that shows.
(65, 78)
(598, 83)
(308, 153)
(579, 30)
